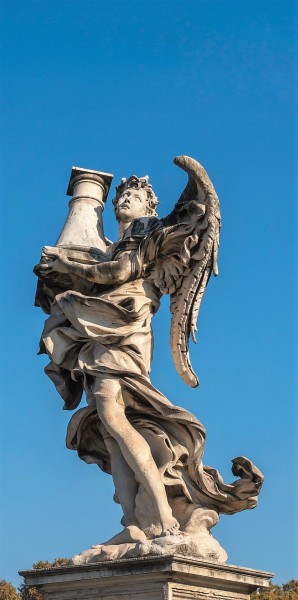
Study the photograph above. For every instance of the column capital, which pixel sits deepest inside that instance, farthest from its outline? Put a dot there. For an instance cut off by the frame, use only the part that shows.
(79, 174)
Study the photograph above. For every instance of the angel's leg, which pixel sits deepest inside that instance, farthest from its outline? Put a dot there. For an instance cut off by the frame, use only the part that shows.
(124, 480)
(134, 449)
(126, 489)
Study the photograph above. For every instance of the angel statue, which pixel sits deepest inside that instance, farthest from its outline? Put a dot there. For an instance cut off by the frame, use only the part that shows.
(99, 340)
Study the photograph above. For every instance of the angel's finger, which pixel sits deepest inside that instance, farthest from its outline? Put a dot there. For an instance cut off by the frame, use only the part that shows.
(49, 265)
(55, 253)
(50, 250)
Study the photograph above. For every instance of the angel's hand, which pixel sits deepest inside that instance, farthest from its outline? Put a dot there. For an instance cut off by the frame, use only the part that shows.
(57, 265)
(54, 252)
(60, 265)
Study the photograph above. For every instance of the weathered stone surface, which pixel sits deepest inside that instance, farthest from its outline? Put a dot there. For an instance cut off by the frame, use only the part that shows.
(83, 227)
(158, 578)
(199, 544)
(101, 297)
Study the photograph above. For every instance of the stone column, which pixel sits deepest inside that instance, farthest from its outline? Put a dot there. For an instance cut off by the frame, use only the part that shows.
(82, 235)
(83, 228)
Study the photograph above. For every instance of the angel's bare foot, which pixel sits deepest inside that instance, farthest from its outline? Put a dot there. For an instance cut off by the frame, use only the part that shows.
(130, 534)
(173, 529)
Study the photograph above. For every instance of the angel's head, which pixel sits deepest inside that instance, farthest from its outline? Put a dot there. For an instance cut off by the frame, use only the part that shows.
(134, 199)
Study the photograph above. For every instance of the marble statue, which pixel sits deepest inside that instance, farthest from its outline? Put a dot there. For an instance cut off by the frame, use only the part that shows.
(101, 297)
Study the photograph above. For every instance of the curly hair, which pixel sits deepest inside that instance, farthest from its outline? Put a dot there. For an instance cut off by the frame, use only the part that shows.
(138, 183)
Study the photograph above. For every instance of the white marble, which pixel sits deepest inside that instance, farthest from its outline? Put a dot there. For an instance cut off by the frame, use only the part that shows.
(84, 225)
(101, 297)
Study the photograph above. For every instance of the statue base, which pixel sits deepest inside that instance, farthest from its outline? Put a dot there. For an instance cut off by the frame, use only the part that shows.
(172, 577)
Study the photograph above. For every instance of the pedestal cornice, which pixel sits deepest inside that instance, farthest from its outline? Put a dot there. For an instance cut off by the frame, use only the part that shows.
(159, 577)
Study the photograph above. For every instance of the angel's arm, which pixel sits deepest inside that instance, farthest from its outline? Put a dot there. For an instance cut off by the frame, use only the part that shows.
(105, 273)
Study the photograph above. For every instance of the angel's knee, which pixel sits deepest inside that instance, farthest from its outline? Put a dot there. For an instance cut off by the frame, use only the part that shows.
(106, 388)
(112, 416)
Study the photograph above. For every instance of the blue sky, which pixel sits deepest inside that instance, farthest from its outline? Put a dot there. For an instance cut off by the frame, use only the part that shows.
(123, 87)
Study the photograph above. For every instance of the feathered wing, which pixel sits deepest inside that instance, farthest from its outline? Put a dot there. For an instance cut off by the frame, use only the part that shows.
(185, 274)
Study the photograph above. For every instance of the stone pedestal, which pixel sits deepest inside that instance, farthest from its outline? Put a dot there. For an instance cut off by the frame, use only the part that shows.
(148, 578)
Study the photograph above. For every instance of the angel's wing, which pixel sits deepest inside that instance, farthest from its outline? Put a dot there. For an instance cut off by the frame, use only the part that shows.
(185, 275)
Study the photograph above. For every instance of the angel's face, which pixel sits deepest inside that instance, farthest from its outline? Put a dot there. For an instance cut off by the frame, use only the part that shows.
(132, 204)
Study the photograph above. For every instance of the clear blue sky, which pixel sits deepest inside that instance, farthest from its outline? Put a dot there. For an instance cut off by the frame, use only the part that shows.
(123, 87)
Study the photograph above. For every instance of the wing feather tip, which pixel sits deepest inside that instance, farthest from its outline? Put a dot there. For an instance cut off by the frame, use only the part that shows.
(196, 382)
(190, 378)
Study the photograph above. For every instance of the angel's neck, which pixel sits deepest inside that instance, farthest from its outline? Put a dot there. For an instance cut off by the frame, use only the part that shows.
(122, 229)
